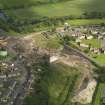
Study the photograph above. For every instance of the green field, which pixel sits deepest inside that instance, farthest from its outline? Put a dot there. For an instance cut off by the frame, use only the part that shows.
(56, 85)
(73, 8)
(60, 81)
(99, 94)
(4, 4)
(97, 44)
(78, 22)
(99, 58)
(35, 15)
(94, 42)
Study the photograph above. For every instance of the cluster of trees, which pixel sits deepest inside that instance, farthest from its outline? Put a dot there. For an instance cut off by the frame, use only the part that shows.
(92, 15)
(28, 3)
(3, 25)
(39, 95)
(29, 25)
(101, 74)
(40, 22)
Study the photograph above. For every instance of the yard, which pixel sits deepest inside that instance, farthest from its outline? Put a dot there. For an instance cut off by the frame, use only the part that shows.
(57, 87)
(97, 44)
(99, 58)
(94, 42)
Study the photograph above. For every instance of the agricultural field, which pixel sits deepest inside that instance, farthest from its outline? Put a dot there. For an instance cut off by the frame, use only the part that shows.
(73, 8)
(35, 15)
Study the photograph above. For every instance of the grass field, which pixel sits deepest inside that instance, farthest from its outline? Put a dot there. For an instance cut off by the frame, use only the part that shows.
(57, 87)
(78, 22)
(74, 8)
(99, 94)
(68, 8)
(94, 42)
(100, 58)
(60, 81)
(57, 84)
(27, 14)
(4, 4)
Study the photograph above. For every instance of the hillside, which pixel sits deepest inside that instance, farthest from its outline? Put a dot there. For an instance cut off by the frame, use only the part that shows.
(52, 52)
(27, 15)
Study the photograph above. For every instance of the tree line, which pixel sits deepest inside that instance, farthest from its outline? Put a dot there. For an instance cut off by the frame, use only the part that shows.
(29, 25)
(22, 5)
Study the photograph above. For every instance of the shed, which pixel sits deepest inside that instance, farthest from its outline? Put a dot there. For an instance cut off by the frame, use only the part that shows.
(3, 53)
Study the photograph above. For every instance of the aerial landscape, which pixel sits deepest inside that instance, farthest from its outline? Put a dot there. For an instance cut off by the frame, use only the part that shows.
(52, 52)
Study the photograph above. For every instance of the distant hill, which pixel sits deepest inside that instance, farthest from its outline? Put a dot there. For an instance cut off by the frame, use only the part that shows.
(35, 13)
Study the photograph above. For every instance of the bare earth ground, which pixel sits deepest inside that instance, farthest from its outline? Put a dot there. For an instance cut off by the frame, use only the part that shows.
(27, 43)
(84, 66)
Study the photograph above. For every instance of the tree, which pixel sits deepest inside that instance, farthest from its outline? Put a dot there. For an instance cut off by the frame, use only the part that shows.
(65, 40)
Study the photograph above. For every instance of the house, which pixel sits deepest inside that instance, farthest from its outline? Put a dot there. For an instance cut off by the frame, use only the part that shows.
(82, 37)
(84, 45)
(100, 37)
(53, 58)
(3, 53)
(103, 50)
(66, 26)
(103, 33)
(90, 37)
(94, 32)
(96, 50)
(78, 40)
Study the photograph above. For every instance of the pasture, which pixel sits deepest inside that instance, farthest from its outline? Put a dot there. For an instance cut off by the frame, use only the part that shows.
(67, 8)
(74, 8)
(35, 15)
